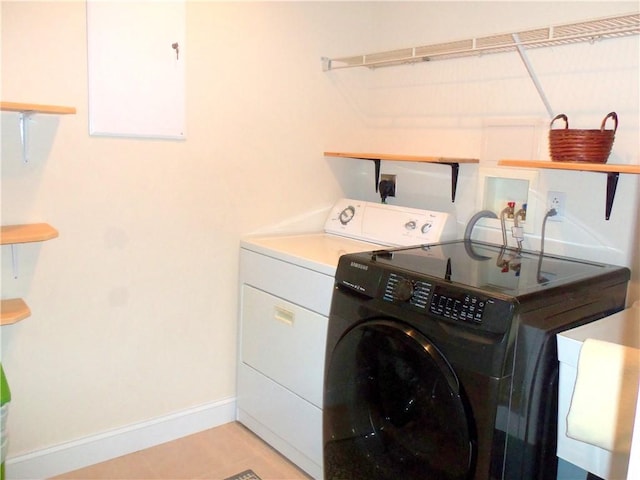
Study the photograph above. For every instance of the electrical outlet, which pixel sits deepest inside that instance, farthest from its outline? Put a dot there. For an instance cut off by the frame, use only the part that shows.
(556, 200)
(387, 186)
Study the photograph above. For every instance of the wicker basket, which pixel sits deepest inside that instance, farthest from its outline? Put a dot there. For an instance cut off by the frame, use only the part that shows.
(571, 145)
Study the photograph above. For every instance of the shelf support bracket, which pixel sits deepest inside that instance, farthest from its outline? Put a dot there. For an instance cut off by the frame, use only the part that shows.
(14, 260)
(25, 118)
(612, 184)
(376, 163)
(532, 73)
(455, 169)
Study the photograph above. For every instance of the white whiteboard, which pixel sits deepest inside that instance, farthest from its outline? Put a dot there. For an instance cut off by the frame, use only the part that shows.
(136, 59)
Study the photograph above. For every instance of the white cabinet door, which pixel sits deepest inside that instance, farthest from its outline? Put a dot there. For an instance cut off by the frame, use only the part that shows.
(136, 58)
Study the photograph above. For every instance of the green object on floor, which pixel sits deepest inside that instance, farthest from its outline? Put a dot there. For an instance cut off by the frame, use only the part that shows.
(5, 398)
(5, 393)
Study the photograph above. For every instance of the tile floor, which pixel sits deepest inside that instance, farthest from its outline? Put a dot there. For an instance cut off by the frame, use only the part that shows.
(213, 454)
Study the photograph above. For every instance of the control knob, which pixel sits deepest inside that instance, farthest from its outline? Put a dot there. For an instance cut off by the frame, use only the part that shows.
(426, 227)
(404, 290)
(347, 214)
(410, 225)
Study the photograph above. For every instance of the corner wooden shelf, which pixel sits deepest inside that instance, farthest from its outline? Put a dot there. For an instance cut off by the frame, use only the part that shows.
(36, 108)
(454, 163)
(612, 170)
(34, 232)
(26, 110)
(582, 166)
(13, 310)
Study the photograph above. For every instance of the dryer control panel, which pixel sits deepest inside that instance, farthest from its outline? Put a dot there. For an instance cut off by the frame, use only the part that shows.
(389, 224)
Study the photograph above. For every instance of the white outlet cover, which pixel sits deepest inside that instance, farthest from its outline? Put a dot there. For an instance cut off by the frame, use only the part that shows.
(560, 198)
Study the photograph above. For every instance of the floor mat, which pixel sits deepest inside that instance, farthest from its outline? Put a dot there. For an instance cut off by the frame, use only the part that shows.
(246, 475)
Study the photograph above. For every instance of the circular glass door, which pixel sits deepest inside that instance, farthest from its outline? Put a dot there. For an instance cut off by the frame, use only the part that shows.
(393, 408)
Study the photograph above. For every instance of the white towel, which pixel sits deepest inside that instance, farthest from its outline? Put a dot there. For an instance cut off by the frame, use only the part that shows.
(603, 405)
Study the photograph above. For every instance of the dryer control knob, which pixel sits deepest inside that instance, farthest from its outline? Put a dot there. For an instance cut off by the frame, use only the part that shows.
(404, 290)
(410, 225)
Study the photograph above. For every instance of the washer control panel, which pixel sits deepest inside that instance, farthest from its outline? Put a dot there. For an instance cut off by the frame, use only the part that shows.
(458, 305)
(438, 300)
(414, 292)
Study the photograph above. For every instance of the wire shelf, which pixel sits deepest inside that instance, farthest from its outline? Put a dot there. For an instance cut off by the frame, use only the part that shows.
(587, 31)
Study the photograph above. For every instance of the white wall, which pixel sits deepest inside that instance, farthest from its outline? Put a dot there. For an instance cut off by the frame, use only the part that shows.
(134, 306)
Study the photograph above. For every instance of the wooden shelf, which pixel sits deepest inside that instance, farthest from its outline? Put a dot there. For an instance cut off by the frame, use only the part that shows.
(26, 110)
(612, 170)
(400, 158)
(34, 232)
(582, 166)
(454, 163)
(13, 310)
(36, 108)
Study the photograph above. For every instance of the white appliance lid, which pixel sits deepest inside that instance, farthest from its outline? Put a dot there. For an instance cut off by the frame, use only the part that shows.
(316, 251)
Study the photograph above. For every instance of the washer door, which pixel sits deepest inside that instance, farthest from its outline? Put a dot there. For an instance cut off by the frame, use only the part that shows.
(393, 408)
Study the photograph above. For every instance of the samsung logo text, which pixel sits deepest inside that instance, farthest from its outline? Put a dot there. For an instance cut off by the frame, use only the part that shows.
(359, 265)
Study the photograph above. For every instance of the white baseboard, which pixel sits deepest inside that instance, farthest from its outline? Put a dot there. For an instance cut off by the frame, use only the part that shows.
(104, 446)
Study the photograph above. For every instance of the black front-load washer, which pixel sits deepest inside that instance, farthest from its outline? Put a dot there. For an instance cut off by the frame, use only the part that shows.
(441, 360)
